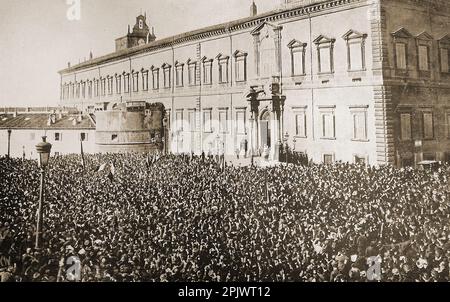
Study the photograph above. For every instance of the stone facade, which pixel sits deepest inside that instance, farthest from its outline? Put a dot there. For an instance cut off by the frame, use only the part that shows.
(319, 76)
(66, 131)
(129, 126)
(420, 92)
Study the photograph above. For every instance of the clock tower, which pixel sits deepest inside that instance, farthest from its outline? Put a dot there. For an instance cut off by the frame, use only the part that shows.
(140, 35)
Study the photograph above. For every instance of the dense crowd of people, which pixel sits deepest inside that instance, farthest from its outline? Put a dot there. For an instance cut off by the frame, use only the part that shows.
(128, 218)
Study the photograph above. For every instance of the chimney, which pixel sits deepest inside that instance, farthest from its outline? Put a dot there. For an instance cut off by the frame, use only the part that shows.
(253, 9)
(15, 112)
(68, 64)
(91, 56)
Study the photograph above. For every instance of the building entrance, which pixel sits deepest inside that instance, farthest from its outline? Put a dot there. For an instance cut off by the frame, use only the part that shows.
(265, 130)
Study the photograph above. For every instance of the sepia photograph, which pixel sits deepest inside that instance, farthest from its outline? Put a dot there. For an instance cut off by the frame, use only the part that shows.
(224, 142)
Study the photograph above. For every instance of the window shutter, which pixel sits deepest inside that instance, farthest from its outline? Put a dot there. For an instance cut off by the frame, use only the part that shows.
(325, 64)
(355, 56)
(405, 121)
(428, 132)
(423, 58)
(400, 50)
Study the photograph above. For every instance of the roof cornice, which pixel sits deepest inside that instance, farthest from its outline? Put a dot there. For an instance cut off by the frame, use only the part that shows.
(212, 31)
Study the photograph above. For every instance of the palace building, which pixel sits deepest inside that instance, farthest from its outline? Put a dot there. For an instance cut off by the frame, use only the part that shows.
(338, 80)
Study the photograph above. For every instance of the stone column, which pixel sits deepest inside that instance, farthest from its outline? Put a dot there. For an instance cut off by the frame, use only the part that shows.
(278, 50)
(251, 136)
(255, 144)
(275, 149)
(281, 122)
(256, 53)
(254, 107)
(256, 133)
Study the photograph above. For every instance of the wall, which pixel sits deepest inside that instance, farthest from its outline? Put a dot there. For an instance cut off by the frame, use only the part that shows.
(135, 128)
(414, 92)
(26, 140)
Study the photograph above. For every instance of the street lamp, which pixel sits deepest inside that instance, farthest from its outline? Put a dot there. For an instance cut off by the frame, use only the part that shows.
(218, 143)
(294, 156)
(9, 142)
(286, 138)
(43, 149)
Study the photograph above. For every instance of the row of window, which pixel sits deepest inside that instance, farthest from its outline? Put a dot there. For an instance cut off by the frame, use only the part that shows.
(104, 86)
(327, 117)
(426, 120)
(328, 122)
(356, 52)
(356, 61)
(209, 126)
(329, 158)
(359, 121)
(139, 80)
(58, 136)
(423, 47)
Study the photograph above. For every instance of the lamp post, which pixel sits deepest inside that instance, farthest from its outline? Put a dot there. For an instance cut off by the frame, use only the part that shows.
(294, 155)
(286, 138)
(9, 142)
(252, 145)
(165, 130)
(217, 143)
(43, 149)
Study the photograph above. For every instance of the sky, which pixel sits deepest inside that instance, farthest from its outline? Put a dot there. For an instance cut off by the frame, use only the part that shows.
(38, 38)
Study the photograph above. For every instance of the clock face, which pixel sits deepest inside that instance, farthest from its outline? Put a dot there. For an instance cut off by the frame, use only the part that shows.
(141, 42)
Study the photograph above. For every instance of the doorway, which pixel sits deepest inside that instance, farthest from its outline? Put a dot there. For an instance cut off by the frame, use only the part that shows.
(265, 128)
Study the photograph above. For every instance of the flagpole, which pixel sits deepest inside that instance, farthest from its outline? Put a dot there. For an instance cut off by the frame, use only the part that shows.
(82, 152)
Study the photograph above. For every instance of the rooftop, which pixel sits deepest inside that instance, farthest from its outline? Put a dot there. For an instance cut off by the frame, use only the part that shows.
(40, 121)
(47, 110)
